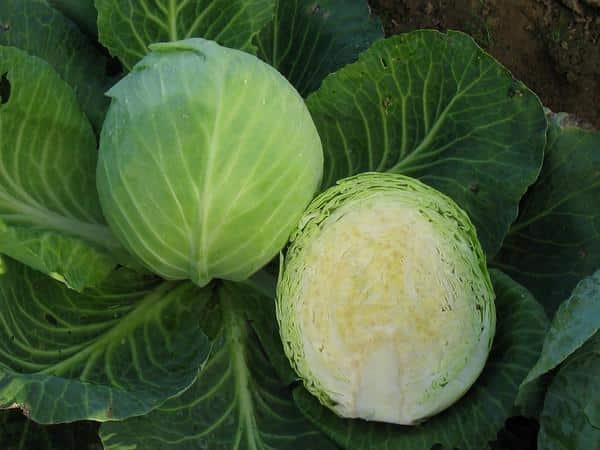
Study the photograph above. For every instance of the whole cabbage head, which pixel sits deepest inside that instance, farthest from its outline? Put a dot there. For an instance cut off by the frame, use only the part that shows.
(385, 305)
(208, 157)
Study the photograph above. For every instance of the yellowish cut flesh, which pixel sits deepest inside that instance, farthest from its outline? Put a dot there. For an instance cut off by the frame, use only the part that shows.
(380, 289)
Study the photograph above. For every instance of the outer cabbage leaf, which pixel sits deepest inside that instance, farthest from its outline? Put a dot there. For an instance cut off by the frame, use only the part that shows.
(127, 27)
(569, 419)
(82, 12)
(237, 401)
(474, 419)
(40, 30)
(109, 353)
(576, 320)
(556, 239)
(307, 40)
(50, 216)
(438, 108)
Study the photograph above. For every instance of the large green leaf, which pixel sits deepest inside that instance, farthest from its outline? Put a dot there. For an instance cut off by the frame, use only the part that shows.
(236, 403)
(50, 216)
(309, 39)
(474, 419)
(82, 12)
(435, 107)
(576, 320)
(569, 420)
(556, 240)
(19, 433)
(127, 27)
(40, 30)
(110, 353)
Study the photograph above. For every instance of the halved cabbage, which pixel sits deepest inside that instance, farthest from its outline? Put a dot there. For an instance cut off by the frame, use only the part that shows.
(385, 305)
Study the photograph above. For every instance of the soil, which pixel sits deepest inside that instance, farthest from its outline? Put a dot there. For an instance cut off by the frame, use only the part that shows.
(553, 46)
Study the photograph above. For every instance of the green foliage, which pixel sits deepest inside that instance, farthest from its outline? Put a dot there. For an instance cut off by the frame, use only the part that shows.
(82, 12)
(86, 334)
(556, 240)
(127, 27)
(237, 402)
(308, 40)
(569, 419)
(100, 355)
(38, 29)
(438, 108)
(50, 216)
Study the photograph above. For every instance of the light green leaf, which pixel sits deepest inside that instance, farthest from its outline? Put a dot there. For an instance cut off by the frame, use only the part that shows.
(310, 39)
(37, 28)
(435, 107)
(576, 320)
(50, 215)
(127, 27)
(556, 240)
(474, 419)
(567, 421)
(112, 352)
(82, 12)
(236, 403)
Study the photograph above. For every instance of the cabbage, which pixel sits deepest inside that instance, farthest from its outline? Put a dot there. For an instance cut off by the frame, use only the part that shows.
(385, 305)
(208, 157)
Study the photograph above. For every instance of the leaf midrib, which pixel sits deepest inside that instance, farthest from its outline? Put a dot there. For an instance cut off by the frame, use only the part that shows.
(237, 335)
(43, 218)
(137, 315)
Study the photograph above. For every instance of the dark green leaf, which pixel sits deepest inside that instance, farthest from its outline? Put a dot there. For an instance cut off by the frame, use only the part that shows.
(567, 421)
(556, 240)
(474, 419)
(237, 402)
(435, 107)
(530, 399)
(264, 324)
(19, 433)
(110, 353)
(50, 216)
(576, 320)
(40, 30)
(310, 39)
(82, 12)
(127, 27)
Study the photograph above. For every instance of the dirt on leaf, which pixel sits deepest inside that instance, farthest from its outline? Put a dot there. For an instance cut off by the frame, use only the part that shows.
(553, 46)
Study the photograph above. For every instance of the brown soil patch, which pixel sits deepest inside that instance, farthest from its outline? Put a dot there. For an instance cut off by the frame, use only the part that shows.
(553, 46)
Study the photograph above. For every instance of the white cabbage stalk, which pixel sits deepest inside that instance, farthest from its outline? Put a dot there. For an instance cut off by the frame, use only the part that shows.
(385, 305)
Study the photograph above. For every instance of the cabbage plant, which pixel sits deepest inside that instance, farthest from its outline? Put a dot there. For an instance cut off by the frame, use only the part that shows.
(385, 305)
(128, 316)
(207, 158)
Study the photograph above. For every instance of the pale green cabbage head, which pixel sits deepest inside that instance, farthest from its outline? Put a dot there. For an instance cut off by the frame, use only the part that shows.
(208, 156)
(385, 305)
